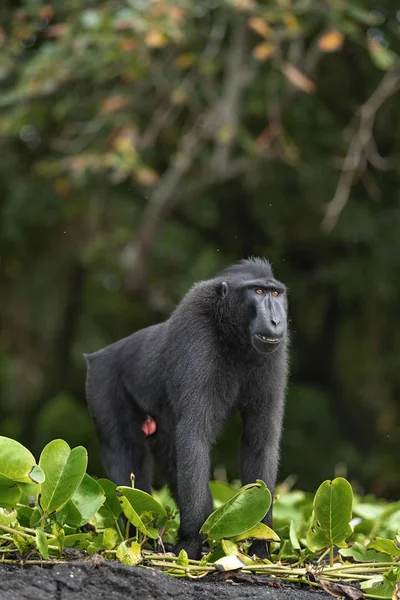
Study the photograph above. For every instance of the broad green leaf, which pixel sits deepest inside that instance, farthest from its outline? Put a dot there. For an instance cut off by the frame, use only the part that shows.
(9, 492)
(164, 497)
(17, 463)
(368, 511)
(42, 544)
(383, 587)
(64, 470)
(86, 501)
(294, 540)
(96, 543)
(129, 554)
(242, 512)
(221, 492)
(258, 532)
(111, 501)
(134, 518)
(361, 554)
(385, 546)
(36, 517)
(141, 501)
(332, 511)
(36, 475)
(111, 509)
(229, 548)
(110, 538)
(78, 540)
(6, 518)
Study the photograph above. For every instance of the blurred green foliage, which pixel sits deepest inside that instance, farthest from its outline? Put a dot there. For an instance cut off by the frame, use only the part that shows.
(145, 145)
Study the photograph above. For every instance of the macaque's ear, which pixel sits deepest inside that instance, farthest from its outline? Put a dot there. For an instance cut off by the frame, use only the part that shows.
(222, 289)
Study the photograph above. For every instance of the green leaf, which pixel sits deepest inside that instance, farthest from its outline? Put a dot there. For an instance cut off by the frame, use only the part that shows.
(183, 558)
(17, 463)
(258, 532)
(383, 58)
(229, 548)
(384, 545)
(22, 543)
(9, 492)
(361, 554)
(78, 540)
(332, 510)
(86, 501)
(64, 470)
(111, 509)
(221, 492)
(294, 540)
(6, 518)
(368, 511)
(110, 538)
(42, 544)
(111, 501)
(382, 589)
(59, 535)
(242, 512)
(36, 517)
(129, 554)
(363, 15)
(134, 518)
(141, 501)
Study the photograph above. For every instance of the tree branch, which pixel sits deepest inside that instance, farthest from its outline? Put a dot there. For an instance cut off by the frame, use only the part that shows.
(234, 84)
(163, 198)
(360, 145)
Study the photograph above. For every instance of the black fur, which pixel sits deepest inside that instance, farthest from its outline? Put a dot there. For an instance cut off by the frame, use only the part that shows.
(191, 373)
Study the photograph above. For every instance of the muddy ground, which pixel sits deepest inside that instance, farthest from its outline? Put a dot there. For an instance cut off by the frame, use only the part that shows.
(113, 581)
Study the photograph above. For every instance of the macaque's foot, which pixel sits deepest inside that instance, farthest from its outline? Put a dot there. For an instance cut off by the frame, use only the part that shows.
(259, 548)
(192, 547)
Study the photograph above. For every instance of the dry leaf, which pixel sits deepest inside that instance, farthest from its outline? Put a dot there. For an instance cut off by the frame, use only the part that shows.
(339, 590)
(260, 26)
(263, 51)
(331, 41)
(297, 78)
(62, 186)
(146, 176)
(176, 13)
(185, 60)
(396, 592)
(56, 31)
(291, 22)
(179, 96)
(242, 5)
(155, 39)
(46, 12)
(114, 103)
(129, 44)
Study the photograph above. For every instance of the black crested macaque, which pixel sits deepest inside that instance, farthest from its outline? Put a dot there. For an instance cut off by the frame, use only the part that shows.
(164, 392)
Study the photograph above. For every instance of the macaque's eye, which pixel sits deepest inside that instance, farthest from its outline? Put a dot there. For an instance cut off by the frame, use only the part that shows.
(275, 293)
(260, 292)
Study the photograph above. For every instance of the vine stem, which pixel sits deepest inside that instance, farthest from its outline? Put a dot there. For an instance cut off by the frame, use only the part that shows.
(16, 532)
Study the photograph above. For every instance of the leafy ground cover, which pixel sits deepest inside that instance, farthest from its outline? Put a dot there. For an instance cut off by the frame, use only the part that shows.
(52, 511)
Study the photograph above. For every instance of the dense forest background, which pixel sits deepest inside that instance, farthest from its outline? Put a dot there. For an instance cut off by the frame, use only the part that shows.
(146, 144)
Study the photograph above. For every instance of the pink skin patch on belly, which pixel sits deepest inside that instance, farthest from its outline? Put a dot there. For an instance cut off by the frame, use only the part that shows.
(149, 427)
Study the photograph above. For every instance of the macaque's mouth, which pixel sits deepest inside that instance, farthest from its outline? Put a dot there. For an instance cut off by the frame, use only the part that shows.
(268, 340)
